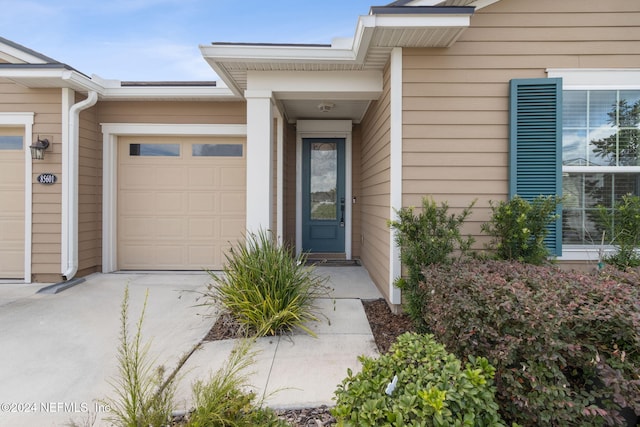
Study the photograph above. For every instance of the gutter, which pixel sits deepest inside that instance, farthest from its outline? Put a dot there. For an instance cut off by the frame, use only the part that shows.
(70, 166)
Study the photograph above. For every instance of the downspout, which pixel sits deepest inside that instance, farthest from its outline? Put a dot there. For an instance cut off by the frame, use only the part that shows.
(72, 161)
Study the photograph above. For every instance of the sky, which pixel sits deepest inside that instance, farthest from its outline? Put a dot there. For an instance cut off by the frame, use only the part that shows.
(158, 40)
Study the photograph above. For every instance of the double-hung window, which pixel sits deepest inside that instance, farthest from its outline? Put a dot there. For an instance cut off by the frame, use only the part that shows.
(596, 156)
(600, 158)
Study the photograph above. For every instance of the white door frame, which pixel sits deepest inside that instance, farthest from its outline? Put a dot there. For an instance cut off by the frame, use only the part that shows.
(325, 129)
(110, 134)
(25, 120)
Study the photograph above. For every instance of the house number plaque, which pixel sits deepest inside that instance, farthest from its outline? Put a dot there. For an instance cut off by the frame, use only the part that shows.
(47, 178)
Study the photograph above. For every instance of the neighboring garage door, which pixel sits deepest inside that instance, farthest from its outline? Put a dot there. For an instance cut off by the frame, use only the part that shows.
(181, 201)
(11, 203)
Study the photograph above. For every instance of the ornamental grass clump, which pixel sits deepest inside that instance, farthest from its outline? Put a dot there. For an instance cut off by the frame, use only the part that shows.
(566, 346)
(418, 383)
(266, 288)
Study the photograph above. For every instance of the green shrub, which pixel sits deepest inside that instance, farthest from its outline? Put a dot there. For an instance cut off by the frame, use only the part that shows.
(432, 388)
(223, 400)
(623, 224)
(432, 236)
(266, 288)
(565, 346)
(143, 396)
(519, 227)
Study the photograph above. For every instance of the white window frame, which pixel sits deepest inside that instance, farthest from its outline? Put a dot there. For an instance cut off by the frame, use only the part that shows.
(593, 80)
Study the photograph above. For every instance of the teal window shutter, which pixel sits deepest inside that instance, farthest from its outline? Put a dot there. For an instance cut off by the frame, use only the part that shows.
(535, 158)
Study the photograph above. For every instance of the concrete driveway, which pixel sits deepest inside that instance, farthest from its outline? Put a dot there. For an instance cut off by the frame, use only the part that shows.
(58, 351)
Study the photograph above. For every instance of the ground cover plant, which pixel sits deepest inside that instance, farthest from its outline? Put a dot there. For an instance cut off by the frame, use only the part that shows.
(266, 287)
(565, 345)
(418, 383)
(431, 236)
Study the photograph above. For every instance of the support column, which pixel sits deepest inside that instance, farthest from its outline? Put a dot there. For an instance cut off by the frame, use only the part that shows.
(259, 160)
(395, 201)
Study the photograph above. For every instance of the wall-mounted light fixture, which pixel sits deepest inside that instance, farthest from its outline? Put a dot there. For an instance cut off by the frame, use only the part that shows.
(38, 148)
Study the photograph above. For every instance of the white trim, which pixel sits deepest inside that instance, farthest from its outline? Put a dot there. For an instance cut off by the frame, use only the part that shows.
(326, 129)
(395, 199)
(279, 176)
(26, 120)
(597, 79)
(110, 134)
(259, 196)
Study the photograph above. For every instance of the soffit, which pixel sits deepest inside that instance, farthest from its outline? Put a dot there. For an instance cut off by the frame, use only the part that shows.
(380, 41)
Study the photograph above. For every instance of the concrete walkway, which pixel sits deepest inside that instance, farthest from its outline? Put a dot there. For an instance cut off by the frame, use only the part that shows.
(59, 350)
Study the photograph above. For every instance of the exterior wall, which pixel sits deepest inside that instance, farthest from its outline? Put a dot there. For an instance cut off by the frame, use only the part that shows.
(90, 194)
(172, 112)
(374, 190)
(455, 112)
(47, 106)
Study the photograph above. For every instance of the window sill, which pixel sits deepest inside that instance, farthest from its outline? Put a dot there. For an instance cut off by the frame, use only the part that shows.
(583, 253)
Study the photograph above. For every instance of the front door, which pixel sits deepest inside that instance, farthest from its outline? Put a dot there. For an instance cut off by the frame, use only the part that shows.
(323, 195)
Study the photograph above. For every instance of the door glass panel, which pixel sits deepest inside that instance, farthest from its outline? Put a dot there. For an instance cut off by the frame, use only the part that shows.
(324, 180)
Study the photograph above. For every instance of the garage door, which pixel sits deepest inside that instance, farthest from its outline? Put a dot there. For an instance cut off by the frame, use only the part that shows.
(181, 202)
(11, 203)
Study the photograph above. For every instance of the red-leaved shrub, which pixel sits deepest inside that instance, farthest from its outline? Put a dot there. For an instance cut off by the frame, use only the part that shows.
(566, 346)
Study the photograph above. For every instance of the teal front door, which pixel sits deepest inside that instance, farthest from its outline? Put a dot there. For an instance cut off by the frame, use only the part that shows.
(323, 194)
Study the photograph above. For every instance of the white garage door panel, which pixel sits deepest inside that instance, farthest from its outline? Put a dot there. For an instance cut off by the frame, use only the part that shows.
(12, 246)
(178, 213)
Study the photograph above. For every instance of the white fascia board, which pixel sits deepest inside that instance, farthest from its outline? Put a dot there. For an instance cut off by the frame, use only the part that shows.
(168, 92)
(9, 52)
(260, 53)
(304, 84)
(422, 21)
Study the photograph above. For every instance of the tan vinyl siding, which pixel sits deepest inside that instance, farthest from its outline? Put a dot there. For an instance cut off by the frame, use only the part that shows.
(374, 190)
(47, 106)
(90, 194)
(455, 107)
(173, 112)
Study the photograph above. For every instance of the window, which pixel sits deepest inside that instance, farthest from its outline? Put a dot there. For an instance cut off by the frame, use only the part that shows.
(600, 157)
(154, 150)
(216, 150)
(10, 142)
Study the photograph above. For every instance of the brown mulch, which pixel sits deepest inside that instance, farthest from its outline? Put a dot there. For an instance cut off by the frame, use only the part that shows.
(385, 326)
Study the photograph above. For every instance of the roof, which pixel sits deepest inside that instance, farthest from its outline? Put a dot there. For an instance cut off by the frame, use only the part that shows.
(386, 27)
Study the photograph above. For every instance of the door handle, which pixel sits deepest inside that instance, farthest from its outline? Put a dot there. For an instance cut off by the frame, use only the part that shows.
(342, 212)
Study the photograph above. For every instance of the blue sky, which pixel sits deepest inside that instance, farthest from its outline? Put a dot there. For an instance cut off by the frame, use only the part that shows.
(159, 39)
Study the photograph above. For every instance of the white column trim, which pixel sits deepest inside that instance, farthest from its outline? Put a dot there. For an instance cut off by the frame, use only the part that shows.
(260, 117)
(26, 120)
(110, 134)
(326, 129)
(279, 176)
(395, 201)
